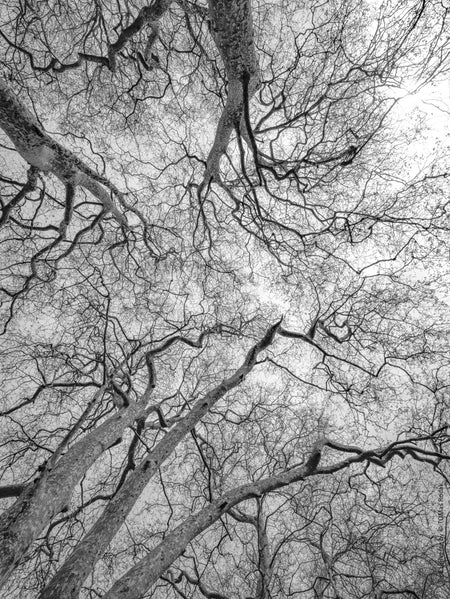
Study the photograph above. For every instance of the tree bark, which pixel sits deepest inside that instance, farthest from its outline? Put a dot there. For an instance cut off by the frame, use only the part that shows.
(42, 499)
(232, 30)
(148, 15)
(136, 582)
(45, 154)
(69, 579)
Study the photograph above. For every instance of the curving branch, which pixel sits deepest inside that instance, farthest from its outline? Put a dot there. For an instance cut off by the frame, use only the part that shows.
(148, 16)
(69, 579)
(45, 154)
(138, 580)
(196, 581)
(195, 343)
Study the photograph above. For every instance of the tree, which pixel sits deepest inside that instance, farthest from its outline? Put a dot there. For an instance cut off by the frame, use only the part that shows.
(225, 341)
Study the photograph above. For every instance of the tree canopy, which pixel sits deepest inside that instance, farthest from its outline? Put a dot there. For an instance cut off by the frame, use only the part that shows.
(225, 299)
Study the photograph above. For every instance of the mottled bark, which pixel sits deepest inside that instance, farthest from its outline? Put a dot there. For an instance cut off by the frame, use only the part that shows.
(138, 580)
(135, 583)
(45, 154)
(70, 577)
(264, 561)
(232, 30)
(42, 499)
(149, 15)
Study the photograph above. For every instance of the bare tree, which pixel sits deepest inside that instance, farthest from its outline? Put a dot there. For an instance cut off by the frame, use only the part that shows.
(225, 294)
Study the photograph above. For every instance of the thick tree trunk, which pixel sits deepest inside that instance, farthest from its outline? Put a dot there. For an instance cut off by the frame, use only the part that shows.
(232, 29)
(41, 500)
(76, 569)
(138, 580)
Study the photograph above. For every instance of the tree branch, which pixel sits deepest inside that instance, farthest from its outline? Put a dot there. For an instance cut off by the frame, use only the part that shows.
(43, 153)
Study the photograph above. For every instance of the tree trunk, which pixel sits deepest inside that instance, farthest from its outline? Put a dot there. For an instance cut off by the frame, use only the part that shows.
(232, 29)
(68, 580)
(138, 580)
(50, 494)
